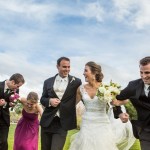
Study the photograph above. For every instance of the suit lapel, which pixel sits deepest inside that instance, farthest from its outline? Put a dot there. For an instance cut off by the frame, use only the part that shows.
(139, 89)
(2, 84)
(51, 86)
(70, 82)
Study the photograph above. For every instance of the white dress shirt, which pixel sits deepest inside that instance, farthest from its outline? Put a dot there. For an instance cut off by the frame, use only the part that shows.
(60, 86)
(146, 86)
(5, 87)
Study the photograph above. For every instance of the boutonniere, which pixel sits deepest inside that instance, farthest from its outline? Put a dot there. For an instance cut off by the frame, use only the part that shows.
(73, 79)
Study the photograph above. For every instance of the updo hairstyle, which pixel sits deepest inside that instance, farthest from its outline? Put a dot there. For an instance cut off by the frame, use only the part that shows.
(96, 70)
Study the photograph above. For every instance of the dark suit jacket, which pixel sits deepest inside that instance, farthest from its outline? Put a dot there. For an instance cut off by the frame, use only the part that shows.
(66, 108)
(4, 112)
(134, 92)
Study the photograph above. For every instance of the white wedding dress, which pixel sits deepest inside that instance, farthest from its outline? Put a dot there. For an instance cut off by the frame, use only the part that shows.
(124, 137)
(96, 131)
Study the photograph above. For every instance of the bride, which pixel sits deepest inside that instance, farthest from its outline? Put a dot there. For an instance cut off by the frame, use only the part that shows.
(96, 131)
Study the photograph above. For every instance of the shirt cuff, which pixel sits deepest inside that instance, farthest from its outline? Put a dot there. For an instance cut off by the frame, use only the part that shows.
(50, 102)
(4, 106)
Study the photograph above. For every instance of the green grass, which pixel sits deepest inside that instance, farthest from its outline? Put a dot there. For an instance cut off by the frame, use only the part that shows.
(136, 145)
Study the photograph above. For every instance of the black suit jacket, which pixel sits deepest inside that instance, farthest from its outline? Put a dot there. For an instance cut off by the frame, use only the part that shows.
(4, 111)
(133, 91)
(67, 107)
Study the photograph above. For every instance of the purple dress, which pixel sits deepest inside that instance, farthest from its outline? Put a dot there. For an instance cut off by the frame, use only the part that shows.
(26, 133)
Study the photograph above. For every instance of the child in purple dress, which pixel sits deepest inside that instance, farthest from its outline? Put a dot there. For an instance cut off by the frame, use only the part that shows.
(27, 130)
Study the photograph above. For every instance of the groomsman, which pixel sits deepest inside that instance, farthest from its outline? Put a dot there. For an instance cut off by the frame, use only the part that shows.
(138, 91)
(7, 88)
(59, 100)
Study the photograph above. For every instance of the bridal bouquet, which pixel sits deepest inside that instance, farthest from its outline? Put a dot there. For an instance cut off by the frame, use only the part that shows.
(108, 92)
(14, 98)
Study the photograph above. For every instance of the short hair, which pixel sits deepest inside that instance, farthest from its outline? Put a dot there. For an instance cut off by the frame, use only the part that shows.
(96, 70)
(145, 61)
(33, 96)
(18, 78)
(62, 58)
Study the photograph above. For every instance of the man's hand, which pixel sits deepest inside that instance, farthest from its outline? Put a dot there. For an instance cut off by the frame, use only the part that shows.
(124, 117)
(116, 102)
(2, 102)
(54, 102)
(11, 104)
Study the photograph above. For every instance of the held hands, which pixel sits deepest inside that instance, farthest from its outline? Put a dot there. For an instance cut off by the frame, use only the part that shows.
(116, 102)
(54, 102)
(124, 117)
(11, 104)
(2, 102)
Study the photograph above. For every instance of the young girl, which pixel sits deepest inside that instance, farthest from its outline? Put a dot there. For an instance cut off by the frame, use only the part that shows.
(26, 133)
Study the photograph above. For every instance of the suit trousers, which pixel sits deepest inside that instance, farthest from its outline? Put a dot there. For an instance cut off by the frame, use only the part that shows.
(4, 129)
(144, 138)
(53, 137)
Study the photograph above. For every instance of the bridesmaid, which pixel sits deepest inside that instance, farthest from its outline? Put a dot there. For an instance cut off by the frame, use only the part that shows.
(27, 130)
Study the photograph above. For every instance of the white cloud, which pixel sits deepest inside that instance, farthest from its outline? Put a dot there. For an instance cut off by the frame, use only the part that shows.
(133, 12)
(33, 35)
(93, 11)
(27, 9)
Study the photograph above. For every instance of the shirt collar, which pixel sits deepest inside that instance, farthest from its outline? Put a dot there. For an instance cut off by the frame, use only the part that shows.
(6, 86)
(59, 78)
(146, 87)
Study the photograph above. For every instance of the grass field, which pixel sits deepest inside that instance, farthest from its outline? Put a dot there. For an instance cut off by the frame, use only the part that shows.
(136, 145)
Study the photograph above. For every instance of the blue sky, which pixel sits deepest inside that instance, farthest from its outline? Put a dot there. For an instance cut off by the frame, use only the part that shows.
(35, 33)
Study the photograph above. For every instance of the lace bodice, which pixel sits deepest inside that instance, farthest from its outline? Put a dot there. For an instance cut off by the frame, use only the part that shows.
(92, 104)
(95, 110)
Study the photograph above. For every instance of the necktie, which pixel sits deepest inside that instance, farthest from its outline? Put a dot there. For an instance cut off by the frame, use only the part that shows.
(149, 92)
(6, 94)
(7, 91)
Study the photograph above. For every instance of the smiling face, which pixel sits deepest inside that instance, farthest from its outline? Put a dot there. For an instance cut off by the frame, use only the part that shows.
(31, 104)
(64, 68)
(14, 86)
(145, 73)
(89, 76)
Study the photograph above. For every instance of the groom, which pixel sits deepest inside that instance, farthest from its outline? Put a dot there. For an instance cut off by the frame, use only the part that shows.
(59, 100)
(7, 88)
(138, 91)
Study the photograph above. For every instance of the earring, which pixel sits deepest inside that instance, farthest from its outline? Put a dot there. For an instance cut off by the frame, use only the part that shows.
(93, 77)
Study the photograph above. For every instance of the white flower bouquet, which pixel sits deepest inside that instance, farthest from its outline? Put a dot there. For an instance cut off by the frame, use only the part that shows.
(108, 92)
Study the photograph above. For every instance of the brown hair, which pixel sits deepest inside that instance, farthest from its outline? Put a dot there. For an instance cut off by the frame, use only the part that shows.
(145, 61)
(18, 78)
(96, 70)
(33, 96)
(62, 58)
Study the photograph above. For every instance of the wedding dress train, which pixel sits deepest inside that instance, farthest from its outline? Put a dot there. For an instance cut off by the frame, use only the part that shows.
(123, 131)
